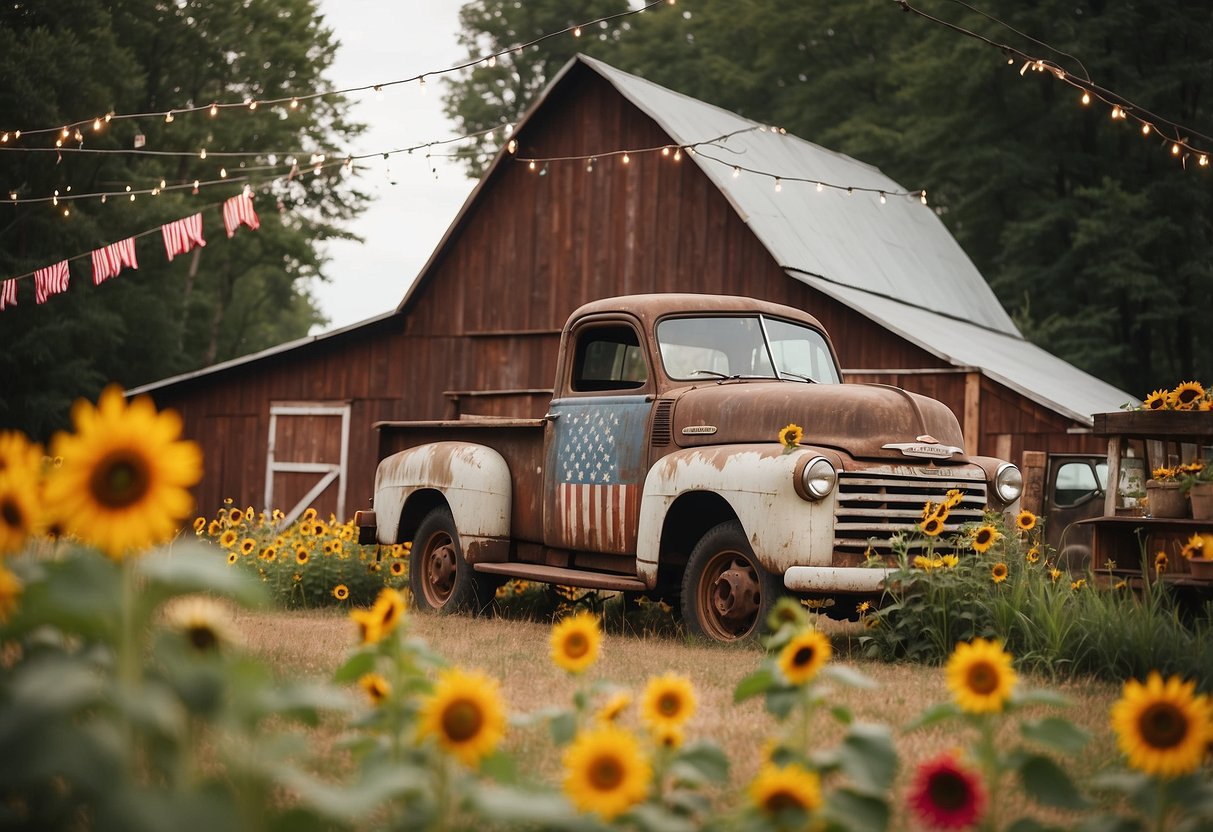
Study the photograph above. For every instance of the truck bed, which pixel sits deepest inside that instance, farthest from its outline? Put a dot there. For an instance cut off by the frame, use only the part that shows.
(519, 441)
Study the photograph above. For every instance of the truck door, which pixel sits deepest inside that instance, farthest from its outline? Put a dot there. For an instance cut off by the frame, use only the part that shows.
(597, 426)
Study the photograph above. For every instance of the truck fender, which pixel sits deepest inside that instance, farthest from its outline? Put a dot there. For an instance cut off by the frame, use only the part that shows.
(473, 479)
(757, 483)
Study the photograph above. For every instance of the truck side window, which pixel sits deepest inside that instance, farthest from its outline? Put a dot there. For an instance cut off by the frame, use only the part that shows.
(1075, 482)
(608, 358)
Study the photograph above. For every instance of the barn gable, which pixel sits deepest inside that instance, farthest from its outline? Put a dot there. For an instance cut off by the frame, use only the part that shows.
(478, 331)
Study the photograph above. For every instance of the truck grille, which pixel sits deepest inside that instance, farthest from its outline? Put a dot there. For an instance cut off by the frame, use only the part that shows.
(873, 507)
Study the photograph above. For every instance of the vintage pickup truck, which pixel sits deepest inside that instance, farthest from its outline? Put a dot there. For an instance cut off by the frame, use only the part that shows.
(658, 469)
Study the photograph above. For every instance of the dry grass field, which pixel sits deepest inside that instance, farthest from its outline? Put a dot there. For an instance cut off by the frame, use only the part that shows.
(314, 643)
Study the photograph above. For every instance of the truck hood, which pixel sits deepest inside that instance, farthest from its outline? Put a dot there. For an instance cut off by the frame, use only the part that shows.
(859, 419)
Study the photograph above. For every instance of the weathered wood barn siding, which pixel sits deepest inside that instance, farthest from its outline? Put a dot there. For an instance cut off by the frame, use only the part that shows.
(486, 313)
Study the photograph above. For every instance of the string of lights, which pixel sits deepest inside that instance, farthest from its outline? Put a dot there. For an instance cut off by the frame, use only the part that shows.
(1174, 134)
(75, 129)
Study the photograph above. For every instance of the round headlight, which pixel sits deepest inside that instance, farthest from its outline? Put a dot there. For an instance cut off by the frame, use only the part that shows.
(817, 479)
(1008, 483)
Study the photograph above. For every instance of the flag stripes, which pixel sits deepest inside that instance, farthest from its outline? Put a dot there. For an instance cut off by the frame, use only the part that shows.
(111, 259)
(51, 281)
(239, 211)
(8, 293)
(183, 235)
(597, 517)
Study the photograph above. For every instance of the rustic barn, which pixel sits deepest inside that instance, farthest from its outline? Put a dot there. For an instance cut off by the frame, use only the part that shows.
(693, 206)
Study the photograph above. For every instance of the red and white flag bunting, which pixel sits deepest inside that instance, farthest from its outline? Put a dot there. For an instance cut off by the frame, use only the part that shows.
(239, 211)
(8, 293)
(50, 281)
(183, 235)
(111, 259)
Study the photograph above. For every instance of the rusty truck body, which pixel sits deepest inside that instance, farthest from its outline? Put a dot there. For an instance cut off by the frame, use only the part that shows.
(658, 469)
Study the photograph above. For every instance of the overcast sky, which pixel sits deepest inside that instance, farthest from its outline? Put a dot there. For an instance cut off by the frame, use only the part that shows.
(383, 40)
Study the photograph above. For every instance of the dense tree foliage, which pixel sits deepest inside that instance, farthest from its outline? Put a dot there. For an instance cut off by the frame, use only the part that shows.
(68, 60)
(1094, 237)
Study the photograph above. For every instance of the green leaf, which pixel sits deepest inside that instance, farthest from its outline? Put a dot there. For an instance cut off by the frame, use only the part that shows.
(195, 568)
(849, 676)
(657, 819)
(563, 727)
(758, 682)
(1048, 784)
(1028, 825)
(355, 667)
(857, 812)
(1056, 733)
(707, 759)
(1043, 696)
(869, 758)
(506, 807)
(781, 701)
(842, 713)
(499, 767)
(934, 715)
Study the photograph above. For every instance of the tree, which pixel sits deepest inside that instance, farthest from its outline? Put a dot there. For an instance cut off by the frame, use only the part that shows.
(1094, 238)
(69, 60)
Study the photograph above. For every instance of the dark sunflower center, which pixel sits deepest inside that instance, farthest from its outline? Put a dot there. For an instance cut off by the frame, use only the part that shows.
(462, 720)
(803, 657)
(1000, 571)
(120, 480)
(983, 678)
(669, 704)
(576, 645)
(1187, 395)
(948, 791)
(11, 513)
(782, 800)
(201, 637)
(983, 537)
(1163, 725)
(390, 614)
(605, 773)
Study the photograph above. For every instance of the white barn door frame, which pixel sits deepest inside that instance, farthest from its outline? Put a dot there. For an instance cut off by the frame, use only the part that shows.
(329, 471)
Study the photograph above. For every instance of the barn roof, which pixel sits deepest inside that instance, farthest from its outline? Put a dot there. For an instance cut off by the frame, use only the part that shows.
(894, 262)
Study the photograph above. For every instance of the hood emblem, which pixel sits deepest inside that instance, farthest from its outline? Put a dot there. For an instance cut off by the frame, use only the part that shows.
(926, 437)
(698, 430)
(924, 449)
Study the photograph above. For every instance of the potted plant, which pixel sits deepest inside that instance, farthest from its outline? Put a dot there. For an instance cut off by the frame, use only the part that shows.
(1199, 553)
(1196, 480)
(1165, 494)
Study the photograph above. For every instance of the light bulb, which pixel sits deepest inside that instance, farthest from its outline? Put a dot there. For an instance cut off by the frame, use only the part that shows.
(294, 103)
(1175, 150)
(778, 185)
(626, 158)
(531, 165)
(1204, 160)
(1086, 97)
(96, 124)
(421, 83)
(195, 186)
(132, 197)
(223, 173)
(252, 105)
(736, 172)
(665, 151)
(1145, 129)
(922, 197)
(492, 61)
(162, 184)
(678, 155)
(511, 146)
(4, 138)
(883, 200)
(66, 132)
(577, 32)
(78, 136)
(214, 110)
(202, 155)
(104, 197)
(108, 116)
(128, 189)
(820, 188)
(67, 212)
(168, 118)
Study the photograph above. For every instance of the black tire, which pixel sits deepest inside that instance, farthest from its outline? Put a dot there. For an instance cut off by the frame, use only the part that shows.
(726, 594)
(441, 580)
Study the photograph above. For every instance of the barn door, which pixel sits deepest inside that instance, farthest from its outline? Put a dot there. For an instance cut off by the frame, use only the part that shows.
(306, 458)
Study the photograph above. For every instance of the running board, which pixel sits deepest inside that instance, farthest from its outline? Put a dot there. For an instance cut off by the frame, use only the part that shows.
(563, 576)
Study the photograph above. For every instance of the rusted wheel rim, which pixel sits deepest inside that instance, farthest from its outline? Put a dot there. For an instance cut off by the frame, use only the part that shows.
(438, 569)
(729, 596)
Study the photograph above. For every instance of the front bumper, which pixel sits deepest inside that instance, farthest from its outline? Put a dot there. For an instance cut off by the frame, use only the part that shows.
(835, 578)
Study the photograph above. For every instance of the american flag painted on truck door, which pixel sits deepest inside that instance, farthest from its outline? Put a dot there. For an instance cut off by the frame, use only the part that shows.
(596, 471)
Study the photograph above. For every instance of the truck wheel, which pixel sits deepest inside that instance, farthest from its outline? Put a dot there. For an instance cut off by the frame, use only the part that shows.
(726, 594)
(440, 578)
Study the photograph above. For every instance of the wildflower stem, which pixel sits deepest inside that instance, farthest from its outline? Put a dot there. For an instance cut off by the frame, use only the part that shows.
(1160, 804)
(988, 754)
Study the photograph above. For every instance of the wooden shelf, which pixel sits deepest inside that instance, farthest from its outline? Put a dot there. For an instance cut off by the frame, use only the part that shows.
(1178, 425)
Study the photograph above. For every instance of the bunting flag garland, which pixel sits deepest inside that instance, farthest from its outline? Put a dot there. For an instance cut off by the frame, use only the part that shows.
(111, 259)
(51, 281)
(183, 235)
(8, 293)
(239, 211)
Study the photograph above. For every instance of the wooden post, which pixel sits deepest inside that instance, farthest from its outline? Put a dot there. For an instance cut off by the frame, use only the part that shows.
(1034, 481)
(972, 414)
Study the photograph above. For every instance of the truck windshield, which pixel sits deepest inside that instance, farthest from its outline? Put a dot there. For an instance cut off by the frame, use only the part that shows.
(744, 346)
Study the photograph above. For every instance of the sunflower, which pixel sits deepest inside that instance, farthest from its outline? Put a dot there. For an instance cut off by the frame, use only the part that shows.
(1079, 584)
(983, 538)
(945, 794)
(10, 594)
(375, 686)
(125, 480)
(923, 562)
(387, 610)
(606, 771)
(269, 553)
(1194, 548)
(306, 529)
(308, 515)
(213, 528)
(1158, 400)
(779, 789)
(341, 592)
(803, 656)
(1186, 395)
(932, 526)
(19, 455)
(1032, 555)
(204, 623)
(791, 435)
(232, 558)
(396, 568)
(668, 699)
(20, 517)
(1163, 727)
(863, 608)
(953, 498)
(998, 572)
(464, 714)
(950, 561)
(1054, 573)
(199, 525)
(614, 707)
(1160, 562)
(248, 546)
(228, 539)
(235, 515)
(575, 641)
(301, 555)
(1025, 521)
(668, 736)
(980, 676)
